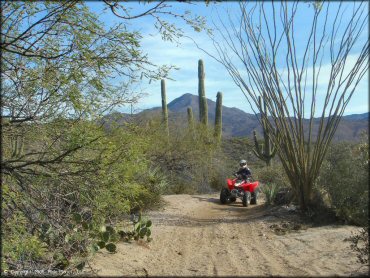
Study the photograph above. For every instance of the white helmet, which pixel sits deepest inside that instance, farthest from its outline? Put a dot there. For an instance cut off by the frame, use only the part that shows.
(243, 163)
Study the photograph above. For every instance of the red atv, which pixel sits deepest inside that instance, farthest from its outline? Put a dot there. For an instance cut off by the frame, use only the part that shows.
(244, 189)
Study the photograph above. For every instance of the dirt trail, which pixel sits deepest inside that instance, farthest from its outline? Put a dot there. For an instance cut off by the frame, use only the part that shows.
(194, 235)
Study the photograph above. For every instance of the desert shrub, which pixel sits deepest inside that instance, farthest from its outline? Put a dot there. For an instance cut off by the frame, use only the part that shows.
(186, 157)
(192, 160)
(273, 174)
(180, 187)
(360, 244)
(153, 184)
(345, 177)
(284, 196)
(101, 182)
(19, 246)
(217, 180)
(236, 148)
(273, 183)
(269, 190)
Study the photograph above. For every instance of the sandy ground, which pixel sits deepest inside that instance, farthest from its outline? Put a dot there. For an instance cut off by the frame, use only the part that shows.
(194, 235)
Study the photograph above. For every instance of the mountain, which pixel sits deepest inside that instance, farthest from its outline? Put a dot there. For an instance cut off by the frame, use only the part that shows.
(237, 123)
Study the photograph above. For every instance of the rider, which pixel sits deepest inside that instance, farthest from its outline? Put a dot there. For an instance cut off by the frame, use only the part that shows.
(244, 172)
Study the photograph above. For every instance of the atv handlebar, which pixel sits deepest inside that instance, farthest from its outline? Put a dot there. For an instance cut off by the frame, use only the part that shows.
(249, 177)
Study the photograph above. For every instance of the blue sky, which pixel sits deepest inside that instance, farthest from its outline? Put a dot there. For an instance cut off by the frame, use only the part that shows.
(185, 56)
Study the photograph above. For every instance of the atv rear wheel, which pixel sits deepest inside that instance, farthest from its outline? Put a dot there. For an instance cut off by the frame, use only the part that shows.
(246, 198)
(232, 199)
(254, 196)
(224, 195)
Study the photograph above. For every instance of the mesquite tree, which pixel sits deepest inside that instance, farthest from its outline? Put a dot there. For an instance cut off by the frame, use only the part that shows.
(58, 61)
(306, 74)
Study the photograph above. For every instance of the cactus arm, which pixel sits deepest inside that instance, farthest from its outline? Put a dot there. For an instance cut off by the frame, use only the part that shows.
(258, 155)
(274, 149)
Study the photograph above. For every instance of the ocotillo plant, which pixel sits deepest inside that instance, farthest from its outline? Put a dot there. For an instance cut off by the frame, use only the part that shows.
(203, 109)
(218, 118)
(268, 151)
(164, 106)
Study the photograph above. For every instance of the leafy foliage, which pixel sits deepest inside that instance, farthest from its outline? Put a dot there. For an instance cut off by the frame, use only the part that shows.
(274, 174)
(345, 178)
(184, 158)
(64, 174)
(360, 244)
(113, 177)
(270, 190)
(18, 245)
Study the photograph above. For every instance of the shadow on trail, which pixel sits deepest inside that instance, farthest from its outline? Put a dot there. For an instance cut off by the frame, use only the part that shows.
(233, 206)
(204, 199)
(217, 213)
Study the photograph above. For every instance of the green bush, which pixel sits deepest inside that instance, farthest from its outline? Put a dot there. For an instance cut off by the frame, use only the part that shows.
(344, 176)
(19, 247)
(181, 187)
(185, 157)
(273, 174)
(269, 190)
(360, 244)
(101, 182)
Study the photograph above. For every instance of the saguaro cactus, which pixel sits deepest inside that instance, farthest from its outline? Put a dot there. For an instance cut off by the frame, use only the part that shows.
(203, 109)
(190, 118)
(17, 145)
(268, 151)
(191, 125)
(218, 117)
(164, 106)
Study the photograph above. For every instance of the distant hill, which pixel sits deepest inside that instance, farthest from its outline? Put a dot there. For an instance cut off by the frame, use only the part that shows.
(237, 123)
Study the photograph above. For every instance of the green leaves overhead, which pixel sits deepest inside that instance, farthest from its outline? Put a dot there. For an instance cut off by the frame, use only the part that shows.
(60, 57)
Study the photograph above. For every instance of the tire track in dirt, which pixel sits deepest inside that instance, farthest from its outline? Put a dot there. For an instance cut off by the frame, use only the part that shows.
(196, 236)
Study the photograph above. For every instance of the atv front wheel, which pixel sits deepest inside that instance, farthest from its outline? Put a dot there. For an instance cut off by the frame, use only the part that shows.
(224, 195)
(254, 196)
(246, 198)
